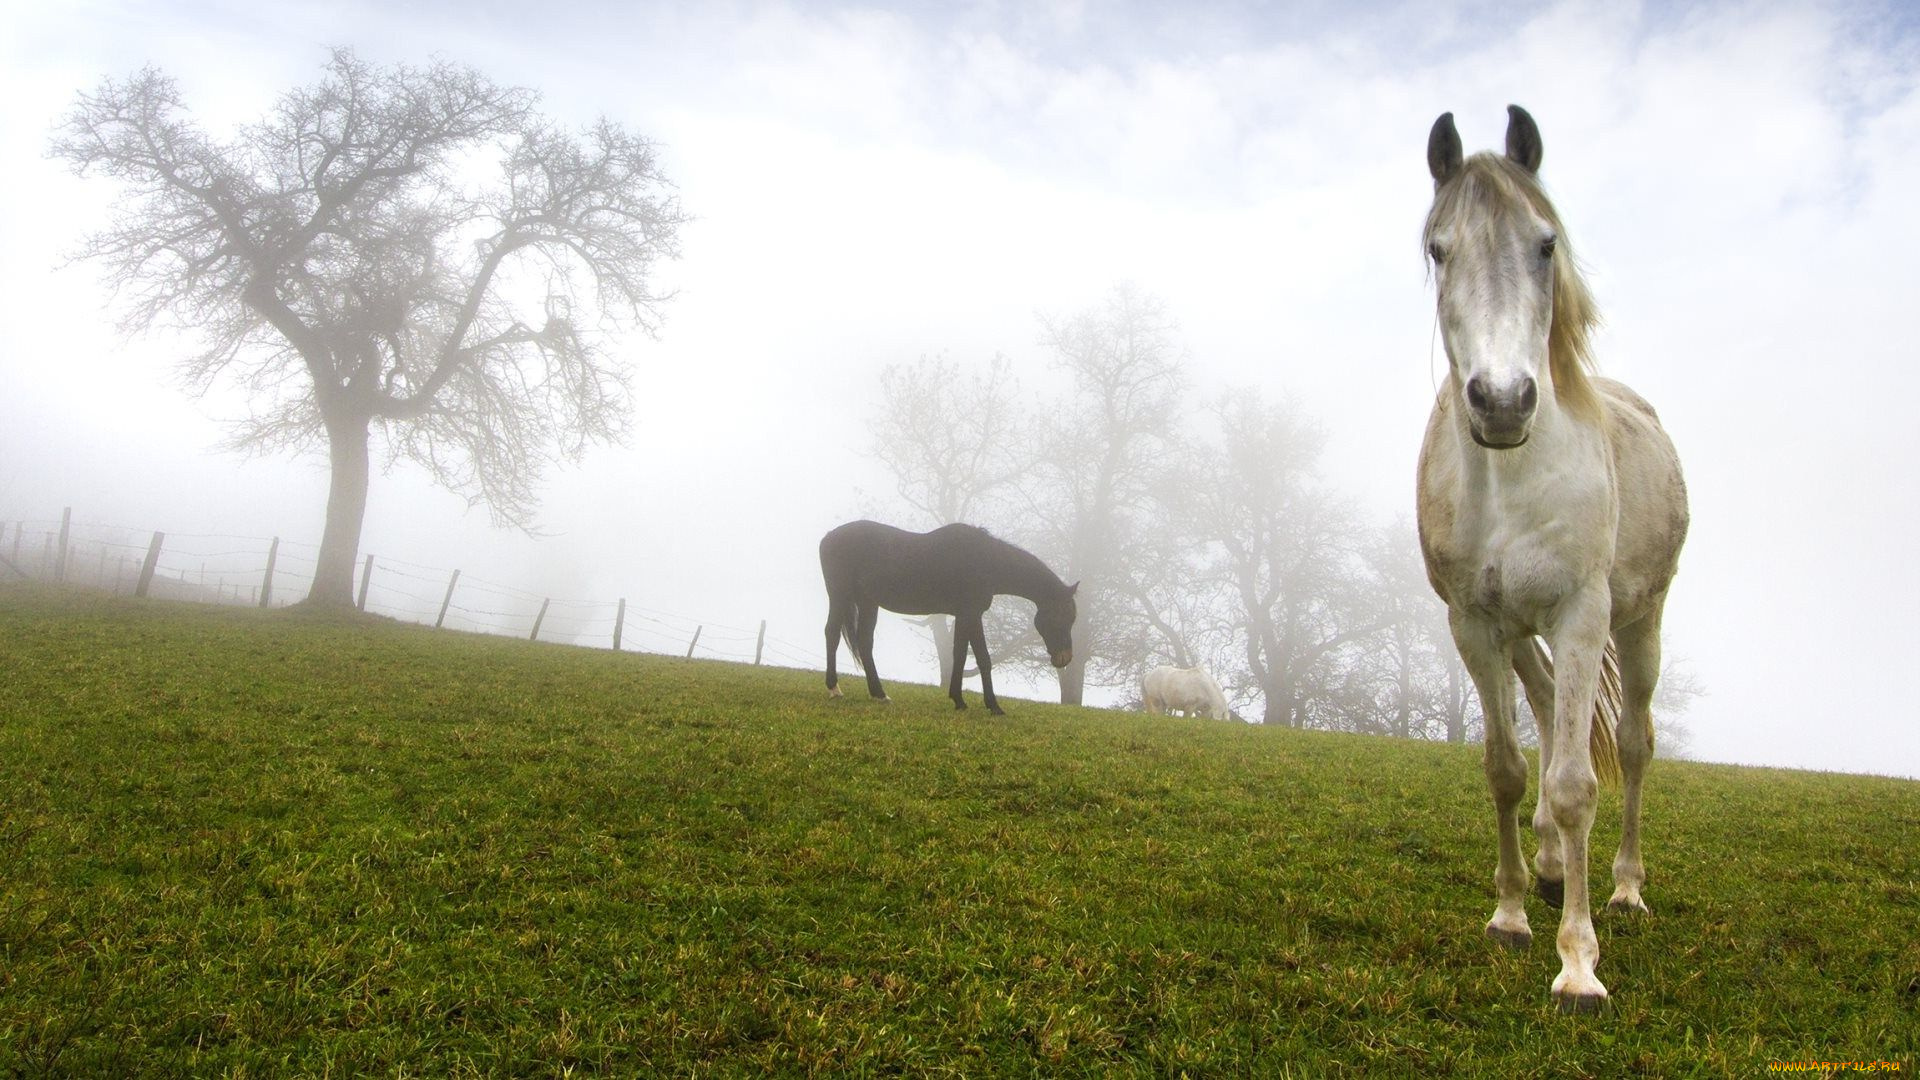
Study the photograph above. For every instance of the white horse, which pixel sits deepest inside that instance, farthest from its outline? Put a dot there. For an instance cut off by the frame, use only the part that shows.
(1191, 690)
(1550, 506)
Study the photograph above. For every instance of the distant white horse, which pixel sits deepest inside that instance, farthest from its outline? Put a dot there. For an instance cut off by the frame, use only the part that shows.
(1191, 691)
(1550, 504)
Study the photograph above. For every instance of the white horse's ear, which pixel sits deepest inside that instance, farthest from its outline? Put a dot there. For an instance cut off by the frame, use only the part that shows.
(1523, 139)
(1443, 150)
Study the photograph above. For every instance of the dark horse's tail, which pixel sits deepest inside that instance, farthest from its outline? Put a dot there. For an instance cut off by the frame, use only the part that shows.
(847, 627)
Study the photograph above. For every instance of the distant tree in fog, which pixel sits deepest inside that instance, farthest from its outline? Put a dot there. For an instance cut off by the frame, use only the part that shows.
(1406, 678)
(950, 438)
(952, 441)
(344, 265)
(1673, 696)
(1287, 551)
(1089, 505)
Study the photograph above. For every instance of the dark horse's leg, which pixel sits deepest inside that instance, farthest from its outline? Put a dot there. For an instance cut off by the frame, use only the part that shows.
(978, 627)
(838, 612)
(960, 639)
(869, 618)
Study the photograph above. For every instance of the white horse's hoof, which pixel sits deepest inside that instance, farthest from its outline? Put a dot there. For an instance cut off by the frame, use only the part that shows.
(1553, 892)
(1631, 905)
(1511, 939)
(1580, 1004)
(1575, 992)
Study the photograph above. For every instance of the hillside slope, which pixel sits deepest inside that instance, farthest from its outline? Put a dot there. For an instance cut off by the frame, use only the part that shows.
(262, 842)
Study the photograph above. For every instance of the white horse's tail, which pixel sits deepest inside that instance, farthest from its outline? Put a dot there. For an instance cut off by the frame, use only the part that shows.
(1602, 747)
(1601, 744)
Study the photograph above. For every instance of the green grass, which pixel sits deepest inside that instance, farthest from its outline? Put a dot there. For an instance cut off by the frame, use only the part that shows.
(260, 844)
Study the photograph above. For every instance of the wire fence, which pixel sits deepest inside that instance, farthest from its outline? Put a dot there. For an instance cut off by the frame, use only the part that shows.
(259, 571)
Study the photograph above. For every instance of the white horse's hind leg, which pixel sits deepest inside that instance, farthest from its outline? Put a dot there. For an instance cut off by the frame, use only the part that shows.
(1536, 677)
(1639, 649)
(1506, 769)
(1572, 789)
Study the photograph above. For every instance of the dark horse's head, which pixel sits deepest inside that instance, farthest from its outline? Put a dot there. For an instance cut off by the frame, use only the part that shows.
(1054, 620)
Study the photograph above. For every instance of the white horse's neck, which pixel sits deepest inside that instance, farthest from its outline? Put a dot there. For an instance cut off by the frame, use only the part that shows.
(1536, 523)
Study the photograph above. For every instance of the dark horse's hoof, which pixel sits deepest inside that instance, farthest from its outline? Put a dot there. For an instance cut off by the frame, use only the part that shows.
(996, 710)
(1553, 892)
(959, 705)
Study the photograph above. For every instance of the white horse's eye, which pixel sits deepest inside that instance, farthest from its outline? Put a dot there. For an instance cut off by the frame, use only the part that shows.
(1547, 246)
(1435, 252)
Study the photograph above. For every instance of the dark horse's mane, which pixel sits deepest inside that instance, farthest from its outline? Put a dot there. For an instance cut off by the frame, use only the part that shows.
(1013, 554)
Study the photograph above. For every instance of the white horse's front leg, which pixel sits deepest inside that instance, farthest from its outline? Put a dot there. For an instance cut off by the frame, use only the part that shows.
(1571, 790)
(1506, 768)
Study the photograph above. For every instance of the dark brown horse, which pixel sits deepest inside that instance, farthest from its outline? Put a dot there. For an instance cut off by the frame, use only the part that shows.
(954, 570)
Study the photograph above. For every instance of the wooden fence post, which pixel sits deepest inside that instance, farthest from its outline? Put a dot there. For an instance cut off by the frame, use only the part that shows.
(153, 560)
(619, 623)
(760, 644)
(366, 575)
(538, 619)
(447, 601)
(266, 583)
(60, 560)
(695, 641)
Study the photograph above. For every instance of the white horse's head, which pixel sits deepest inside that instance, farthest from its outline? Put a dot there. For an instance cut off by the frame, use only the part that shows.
(1513, 311)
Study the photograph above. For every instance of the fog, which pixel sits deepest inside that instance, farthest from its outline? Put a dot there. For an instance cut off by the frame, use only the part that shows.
(871, 185)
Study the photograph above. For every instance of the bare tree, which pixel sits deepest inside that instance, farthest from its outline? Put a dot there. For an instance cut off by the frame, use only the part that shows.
(1407, 677)
(340, 264)
(1092, 497)
(1673, 696)
(950, 439)
(1287, 552)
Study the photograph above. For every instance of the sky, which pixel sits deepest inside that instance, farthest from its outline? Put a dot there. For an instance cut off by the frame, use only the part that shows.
(873, 184)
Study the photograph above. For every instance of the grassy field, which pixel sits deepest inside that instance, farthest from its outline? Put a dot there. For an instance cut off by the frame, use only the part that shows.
(261, 844)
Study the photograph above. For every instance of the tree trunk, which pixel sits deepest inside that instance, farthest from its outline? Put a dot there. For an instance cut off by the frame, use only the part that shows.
(941, 629)
(1275, 714)
(1456, 706)
(1073, 679)
(346, 513)
(1283, 706)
